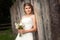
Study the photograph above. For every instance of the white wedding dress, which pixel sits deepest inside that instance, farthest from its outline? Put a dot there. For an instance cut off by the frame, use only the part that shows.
(27, 21)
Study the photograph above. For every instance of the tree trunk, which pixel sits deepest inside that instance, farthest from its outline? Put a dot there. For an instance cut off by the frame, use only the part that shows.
(41, 10)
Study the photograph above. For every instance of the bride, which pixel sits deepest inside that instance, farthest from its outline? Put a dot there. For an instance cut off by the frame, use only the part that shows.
(29, 20)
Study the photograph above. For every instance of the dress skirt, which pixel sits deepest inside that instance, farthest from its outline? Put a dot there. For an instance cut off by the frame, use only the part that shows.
(26, 36)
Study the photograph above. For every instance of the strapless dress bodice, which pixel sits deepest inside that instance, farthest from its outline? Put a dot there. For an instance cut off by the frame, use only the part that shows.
(28, 23)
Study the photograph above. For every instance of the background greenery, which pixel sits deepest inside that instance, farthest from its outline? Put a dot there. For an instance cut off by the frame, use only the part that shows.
(7, 35)
(5, 20)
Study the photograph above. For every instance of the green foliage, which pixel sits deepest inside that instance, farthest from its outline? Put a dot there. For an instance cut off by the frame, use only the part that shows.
(7, 35)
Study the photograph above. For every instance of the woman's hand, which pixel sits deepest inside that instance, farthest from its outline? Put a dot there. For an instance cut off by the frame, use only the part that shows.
(22, 31)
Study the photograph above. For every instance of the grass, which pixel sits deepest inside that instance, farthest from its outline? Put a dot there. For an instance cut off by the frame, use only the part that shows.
(7, 35)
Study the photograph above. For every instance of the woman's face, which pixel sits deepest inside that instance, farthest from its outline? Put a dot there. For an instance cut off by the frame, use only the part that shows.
(27, 9)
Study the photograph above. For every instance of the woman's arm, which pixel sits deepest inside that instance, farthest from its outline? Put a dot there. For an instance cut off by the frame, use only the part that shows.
(34, 28)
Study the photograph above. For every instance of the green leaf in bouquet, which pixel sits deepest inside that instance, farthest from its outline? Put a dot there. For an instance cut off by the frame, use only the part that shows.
(20, 27)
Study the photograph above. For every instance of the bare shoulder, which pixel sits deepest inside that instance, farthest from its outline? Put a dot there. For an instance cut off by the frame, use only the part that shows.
(33, 16)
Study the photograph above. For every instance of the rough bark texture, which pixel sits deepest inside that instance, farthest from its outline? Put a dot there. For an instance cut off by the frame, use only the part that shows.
(55, 19)
(48, 17)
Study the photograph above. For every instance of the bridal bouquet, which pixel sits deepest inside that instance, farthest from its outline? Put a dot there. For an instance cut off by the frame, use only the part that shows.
(19, 26)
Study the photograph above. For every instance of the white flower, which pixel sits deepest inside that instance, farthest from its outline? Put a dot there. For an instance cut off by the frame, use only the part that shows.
(20, 24)
(16, 25)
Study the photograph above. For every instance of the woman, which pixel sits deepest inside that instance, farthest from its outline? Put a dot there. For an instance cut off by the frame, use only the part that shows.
(29, 20)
